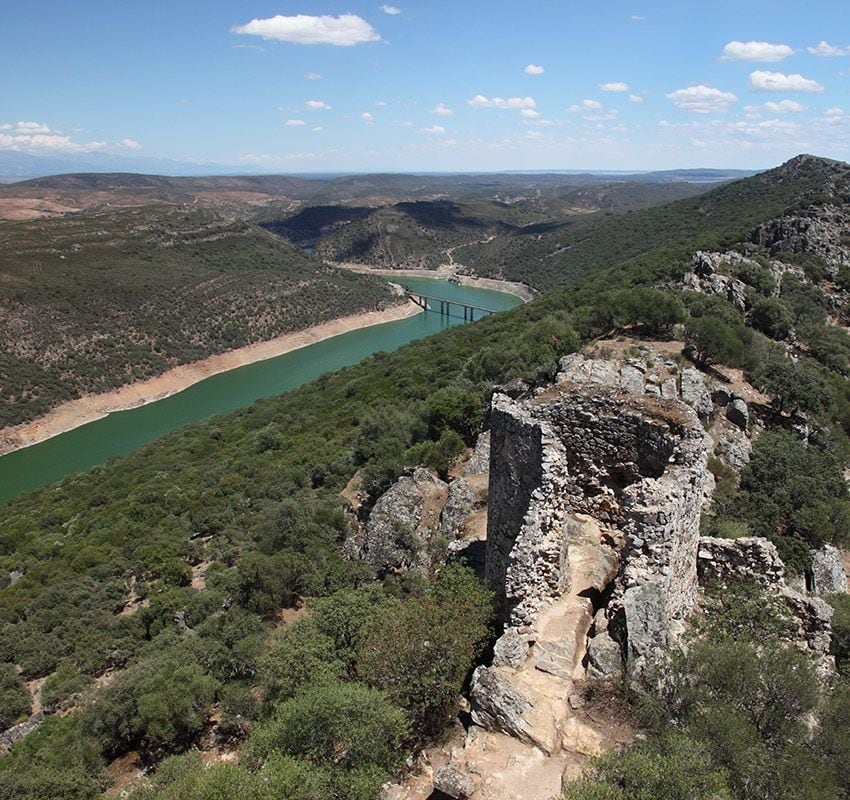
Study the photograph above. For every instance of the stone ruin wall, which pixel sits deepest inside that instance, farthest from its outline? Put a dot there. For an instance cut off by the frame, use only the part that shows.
(636, 464)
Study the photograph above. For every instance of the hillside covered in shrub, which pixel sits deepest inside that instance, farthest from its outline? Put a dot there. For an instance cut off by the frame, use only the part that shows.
(193, 597)
(90, 302)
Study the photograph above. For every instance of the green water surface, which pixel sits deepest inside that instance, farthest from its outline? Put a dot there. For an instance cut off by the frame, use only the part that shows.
(123, 431)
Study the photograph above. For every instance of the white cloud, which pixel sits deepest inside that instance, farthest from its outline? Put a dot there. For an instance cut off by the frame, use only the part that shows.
(635, 98)
(826, 50)
(784, 107)
(30, 128)
(755, 51)
(36, 136)
(442, 110)
(480, 101)
(702, 99)
(345, 30)
(764, 81)
(391, 10)
(434, 130)
(127, 144)
(317, 129)
(381, 103)
(317, 105)
(585, 105)
(637, 18)
(294, 123)
(367, 118)
(835, 113)
(615, 86)
(593, 111)
(534, 69)
(529, 113)
(313, 76)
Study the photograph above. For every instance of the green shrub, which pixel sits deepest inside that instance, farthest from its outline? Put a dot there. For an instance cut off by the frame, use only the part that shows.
(673, 767)
(351, 733)
(64, 682)
(421, 650)
(712, 341)
(14, 697)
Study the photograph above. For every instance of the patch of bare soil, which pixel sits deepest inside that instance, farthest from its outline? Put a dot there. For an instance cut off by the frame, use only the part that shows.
(34, 688)
(124, 773)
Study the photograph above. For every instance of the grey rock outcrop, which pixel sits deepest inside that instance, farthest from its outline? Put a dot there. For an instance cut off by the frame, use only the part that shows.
(632, 379)
(9, 738)
(453, 783)
(738, 413)
(604, 658)
(695, 392)
(510, 649)
(459, 504)
(733, 446)
(404, 522)
(814, 623)
(497, 705)
(818, 230)
(828, 573)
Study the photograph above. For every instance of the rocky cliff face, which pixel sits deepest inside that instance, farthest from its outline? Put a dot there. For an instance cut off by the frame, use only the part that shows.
(819, 231)
(596, 488)
(598, 445)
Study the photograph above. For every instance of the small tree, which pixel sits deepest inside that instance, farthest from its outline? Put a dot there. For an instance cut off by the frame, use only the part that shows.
(712, 341)
(772, 317)
(420, 651)
(14, 699)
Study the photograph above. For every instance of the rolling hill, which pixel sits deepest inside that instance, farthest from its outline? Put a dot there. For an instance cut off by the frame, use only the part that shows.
(90, 302)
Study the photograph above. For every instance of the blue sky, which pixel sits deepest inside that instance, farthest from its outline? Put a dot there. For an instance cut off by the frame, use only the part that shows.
(321, 85)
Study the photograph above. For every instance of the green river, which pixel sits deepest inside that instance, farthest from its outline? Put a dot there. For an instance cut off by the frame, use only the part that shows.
(122, 432)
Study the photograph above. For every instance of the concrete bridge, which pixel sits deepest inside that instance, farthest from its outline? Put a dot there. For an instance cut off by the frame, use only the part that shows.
(444, 306)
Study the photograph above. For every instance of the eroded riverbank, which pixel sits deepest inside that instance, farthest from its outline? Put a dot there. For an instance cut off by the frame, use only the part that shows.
(89, 408)
(446, 272)
(120, 433)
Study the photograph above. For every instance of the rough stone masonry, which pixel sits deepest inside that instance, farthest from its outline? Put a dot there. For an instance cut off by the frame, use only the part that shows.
(637, 464)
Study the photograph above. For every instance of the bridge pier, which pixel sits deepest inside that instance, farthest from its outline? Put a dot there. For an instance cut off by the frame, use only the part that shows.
(429, 303)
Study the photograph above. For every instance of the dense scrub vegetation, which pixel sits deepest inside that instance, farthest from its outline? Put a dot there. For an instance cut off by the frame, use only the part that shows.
(732, 718)
(423, 234)
(562, 253)
(90, 302)
(149, 592)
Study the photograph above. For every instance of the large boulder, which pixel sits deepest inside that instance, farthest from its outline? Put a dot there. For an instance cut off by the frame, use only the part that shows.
(604, 658)
(828, 572)
(695, 393)
(460, 503)
(404, 521)
(453, 783)
(510, 649)
(497, 705)
(738, 413)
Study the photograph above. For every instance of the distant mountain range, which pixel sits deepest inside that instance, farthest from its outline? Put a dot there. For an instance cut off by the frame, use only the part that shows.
(16, 166)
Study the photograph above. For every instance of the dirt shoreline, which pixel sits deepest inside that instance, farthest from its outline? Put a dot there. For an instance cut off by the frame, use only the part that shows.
(89, 408)
(445, 272)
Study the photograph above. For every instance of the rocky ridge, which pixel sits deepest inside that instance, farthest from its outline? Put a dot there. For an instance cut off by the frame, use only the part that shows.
(596, 487)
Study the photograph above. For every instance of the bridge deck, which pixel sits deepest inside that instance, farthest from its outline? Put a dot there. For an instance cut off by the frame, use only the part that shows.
(445, 304)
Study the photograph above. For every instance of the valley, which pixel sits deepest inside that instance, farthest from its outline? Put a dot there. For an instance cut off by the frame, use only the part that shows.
(481, 545)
